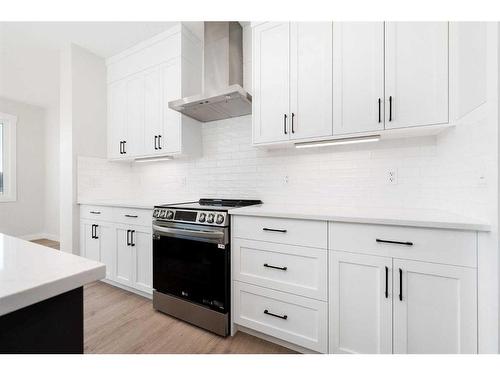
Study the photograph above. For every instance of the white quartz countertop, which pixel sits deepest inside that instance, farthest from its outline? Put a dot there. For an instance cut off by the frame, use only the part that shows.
(30, 273)
(119, 203)
(403, 217)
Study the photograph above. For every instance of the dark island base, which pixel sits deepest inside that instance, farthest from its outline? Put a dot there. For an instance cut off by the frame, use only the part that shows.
(53, 326)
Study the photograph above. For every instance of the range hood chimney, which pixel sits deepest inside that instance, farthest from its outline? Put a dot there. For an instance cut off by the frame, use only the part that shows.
(223, 95)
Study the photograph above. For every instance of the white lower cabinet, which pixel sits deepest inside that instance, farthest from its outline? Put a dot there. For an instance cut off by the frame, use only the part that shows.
(389, 305)
(435, 308)
(301, 321)
(125, 249)
(360, 303)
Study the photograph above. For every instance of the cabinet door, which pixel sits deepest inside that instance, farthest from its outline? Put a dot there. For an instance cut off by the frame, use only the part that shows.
(358, 71)
(271, 82)
(416, 73)
(124, 257)
(117, 115)
(360, 303)
(135, 116)
(143, 260)
(107, 244)
(170, 140)
(153, 127)
(311, 79)
(89, 246)
(434, 308)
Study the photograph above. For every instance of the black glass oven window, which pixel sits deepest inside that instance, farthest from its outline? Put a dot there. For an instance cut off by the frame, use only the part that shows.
(185, 215)
(192, 270)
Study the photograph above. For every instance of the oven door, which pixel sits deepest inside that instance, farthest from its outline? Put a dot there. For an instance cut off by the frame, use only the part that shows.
(192, 262)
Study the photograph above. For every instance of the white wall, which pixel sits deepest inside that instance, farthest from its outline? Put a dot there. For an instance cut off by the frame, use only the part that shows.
(25, 215)
(82, 132)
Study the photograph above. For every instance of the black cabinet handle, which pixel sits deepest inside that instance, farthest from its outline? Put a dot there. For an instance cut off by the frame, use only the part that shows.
(400, 284)
(95, 212)
(128, 237)
(124, 144)
(275, 267)
(386, 282)
(121, 147)
(293, 128)
(379, 110)
(284, 123)
(95, 231)
(274, 230)
(284, 317)
(132, 240)
(159, 142)
(395, 242)
(156, 142)
(390, 108)
(93, 235)
(132, 216)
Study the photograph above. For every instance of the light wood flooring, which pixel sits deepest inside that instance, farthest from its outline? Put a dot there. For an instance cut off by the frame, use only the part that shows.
(120, 322)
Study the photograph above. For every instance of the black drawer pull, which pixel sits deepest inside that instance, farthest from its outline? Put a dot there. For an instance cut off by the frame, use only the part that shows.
(284, 317)
(395, 242)
(95, 212)
(275, 267)
(274, 230)
(132, 216)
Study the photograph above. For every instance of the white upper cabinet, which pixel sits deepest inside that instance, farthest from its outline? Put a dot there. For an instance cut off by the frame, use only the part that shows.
(416, 73)
(358, 76)
(435, 308)
(271, 82)
(141, 82)
(292, 81)
(311, 79)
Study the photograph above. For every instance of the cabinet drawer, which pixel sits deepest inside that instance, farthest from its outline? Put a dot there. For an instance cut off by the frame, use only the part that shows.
(430, 245)
(310, 233)
(293, 269)
(301, 321)
(132, 216)
(96, 212)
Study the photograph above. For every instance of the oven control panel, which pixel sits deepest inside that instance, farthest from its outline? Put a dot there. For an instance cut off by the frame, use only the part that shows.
(192, 216)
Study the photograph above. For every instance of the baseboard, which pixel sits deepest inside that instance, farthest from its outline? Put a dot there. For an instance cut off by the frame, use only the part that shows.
(127, 288)
(274, 340)
(39, 236)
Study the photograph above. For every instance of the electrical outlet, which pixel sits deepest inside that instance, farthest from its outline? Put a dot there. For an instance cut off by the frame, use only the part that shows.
(392, 177)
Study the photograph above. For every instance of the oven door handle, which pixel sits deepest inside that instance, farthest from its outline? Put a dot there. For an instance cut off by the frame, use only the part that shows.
(210, 234)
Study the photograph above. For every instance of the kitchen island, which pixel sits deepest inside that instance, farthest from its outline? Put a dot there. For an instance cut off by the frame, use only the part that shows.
(41, 297)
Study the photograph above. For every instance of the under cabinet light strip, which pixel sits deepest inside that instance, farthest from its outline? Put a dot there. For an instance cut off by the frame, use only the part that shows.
(340, 141)
(153, 158)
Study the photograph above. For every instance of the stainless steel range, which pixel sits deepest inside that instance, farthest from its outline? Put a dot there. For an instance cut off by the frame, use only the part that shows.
(192, 261)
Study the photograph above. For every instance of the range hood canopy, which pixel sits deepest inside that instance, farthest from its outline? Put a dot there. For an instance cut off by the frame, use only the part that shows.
(223, 95)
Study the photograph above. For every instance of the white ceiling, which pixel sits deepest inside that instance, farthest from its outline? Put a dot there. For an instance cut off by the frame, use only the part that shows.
(29, 52)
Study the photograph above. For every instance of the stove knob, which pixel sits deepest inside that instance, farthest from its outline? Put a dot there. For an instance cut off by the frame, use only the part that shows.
(170, 215)
(210, 218)
(162, 213)
(155, 213)
(202, 217)
(220, 219)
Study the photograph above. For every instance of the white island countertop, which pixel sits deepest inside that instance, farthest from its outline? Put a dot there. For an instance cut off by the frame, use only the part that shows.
(30, 273)
(403, 217)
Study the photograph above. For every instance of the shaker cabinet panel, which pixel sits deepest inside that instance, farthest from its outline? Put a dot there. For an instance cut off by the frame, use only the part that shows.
(435, 308)
(416, 73)
(310, 79)
(271, 82)
(358, 76)
(360, 303)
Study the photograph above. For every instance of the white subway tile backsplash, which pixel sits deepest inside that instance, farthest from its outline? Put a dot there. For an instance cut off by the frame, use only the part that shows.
(432, 172)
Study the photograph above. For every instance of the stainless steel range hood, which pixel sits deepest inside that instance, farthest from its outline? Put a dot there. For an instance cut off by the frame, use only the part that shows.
(223, 95)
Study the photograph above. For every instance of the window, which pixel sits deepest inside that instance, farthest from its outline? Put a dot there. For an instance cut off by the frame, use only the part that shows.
(7, 157)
